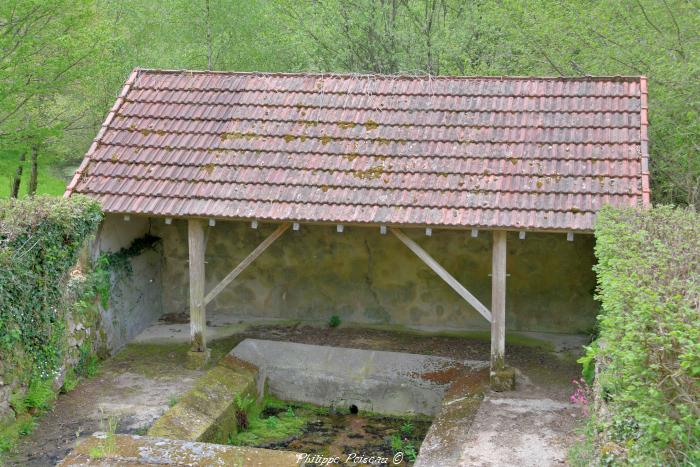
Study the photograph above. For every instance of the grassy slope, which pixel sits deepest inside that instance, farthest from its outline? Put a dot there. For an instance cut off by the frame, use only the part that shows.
(49, 183)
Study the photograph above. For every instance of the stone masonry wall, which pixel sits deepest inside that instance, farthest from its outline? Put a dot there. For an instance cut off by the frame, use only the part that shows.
(365, 277)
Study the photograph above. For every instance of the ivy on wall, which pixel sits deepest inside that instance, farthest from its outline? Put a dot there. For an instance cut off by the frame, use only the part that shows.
(40, 241)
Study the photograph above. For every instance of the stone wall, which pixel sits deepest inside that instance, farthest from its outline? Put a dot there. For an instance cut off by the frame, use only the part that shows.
(365, 277)
(135, 299)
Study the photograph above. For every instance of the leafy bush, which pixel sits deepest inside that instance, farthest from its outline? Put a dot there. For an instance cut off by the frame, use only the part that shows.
(40, 240)
(648, 354)
(334, 322)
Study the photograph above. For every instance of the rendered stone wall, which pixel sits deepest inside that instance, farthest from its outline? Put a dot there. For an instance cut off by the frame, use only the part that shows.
(365, 277)
(135, 299)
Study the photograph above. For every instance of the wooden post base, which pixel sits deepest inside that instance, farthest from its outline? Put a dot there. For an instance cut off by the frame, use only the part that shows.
(197, 360)
(503, 379)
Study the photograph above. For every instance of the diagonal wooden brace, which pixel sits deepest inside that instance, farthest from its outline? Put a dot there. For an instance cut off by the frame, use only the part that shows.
(245, 263)
(440, 271)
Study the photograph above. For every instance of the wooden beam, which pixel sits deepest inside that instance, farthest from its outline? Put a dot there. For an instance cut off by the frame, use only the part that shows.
(440, 271)
(198, 321)
(498, 301)
(245, 263)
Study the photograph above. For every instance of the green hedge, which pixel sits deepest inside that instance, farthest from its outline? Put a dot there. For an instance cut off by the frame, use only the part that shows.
(648, 352)
(40, 241)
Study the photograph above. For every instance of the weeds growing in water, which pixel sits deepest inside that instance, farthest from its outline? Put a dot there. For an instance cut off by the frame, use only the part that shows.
(275, 423)
(243, 407)
(403, 443)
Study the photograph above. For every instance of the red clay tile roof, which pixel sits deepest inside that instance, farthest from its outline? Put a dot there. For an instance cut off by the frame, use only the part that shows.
(513, 153)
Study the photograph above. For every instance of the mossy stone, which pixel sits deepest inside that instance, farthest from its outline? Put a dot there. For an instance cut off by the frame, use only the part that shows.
(503, 379)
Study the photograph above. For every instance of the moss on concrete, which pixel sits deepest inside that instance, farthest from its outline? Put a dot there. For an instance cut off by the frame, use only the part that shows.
(137, 451)
(197, 359)
(503, 379)
(207, 412)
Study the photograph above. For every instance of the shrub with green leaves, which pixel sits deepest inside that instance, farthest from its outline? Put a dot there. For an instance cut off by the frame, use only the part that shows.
(648, 352)
(40, 240)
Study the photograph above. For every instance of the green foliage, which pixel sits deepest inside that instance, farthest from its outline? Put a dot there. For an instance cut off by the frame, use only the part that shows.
(88, 363)
(49, 182)
(587, 362)
(9, 435)
(244, 405)
(108, 445)
(334, 321)
(538, 37)
(39, 395)
(70, 381)
(648, 353)
(40, 242)
(407, 429)
(396, 442)
(410, 452)
(400, 442)
(47, 48)
(271, 422)
(118, 262)
(106, 40)
(17, 403)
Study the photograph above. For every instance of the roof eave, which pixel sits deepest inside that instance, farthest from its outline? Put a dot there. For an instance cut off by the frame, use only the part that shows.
(96, 142)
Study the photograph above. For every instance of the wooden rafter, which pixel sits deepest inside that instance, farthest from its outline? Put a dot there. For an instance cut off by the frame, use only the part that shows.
(440, 271)
(245, 263)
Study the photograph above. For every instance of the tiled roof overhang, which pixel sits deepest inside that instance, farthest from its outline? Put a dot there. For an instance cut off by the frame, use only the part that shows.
(455, 152)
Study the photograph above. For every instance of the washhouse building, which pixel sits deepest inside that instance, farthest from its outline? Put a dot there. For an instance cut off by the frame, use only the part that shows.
(435, 203)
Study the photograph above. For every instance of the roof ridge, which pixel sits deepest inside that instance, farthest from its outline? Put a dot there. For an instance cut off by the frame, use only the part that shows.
(416, 76)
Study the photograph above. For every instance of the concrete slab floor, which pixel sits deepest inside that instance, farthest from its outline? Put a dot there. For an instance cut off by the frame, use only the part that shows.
(526, 427)
(141, 381)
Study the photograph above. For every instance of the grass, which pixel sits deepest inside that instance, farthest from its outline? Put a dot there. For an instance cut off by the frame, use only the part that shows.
(37, 400)
(49, 182)
(10, 434)
(108, 445)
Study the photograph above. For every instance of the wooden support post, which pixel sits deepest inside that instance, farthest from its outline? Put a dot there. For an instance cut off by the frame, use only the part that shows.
(501, 378)
(198, 321)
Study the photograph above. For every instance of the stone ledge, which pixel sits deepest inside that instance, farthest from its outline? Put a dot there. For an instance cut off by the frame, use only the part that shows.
(145, 451)
(444, 442)
(207, 412)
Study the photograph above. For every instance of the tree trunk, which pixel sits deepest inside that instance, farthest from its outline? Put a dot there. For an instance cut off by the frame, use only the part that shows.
(17, 180)
(208, 32)
(33, 180)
